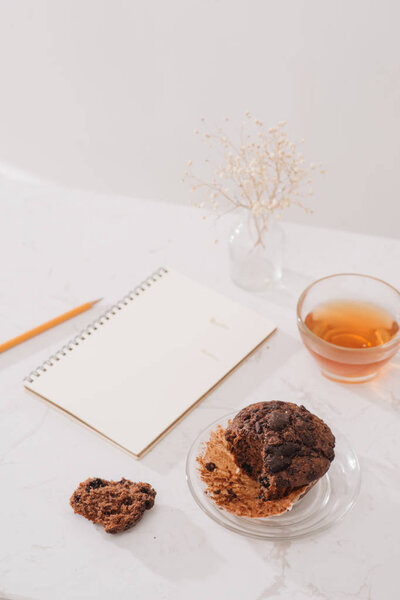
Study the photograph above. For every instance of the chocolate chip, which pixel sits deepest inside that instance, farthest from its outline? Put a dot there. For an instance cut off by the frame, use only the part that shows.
(330, 454)
(77, 498)
(144, 490)
(264, 482)
(247, 468)
(289, 448)
(94, 484)
(276, 404)
(282, 482)
(278, 420)
(307, 417)
(278, 463)
(307, 438)
(216, 492)
(210, 466)
(231, 493)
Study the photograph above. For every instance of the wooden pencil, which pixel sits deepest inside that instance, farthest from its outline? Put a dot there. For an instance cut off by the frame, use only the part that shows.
(45, 326)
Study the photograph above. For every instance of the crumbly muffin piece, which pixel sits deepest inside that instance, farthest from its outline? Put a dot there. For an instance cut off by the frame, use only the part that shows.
(281, 445)
(117, 505)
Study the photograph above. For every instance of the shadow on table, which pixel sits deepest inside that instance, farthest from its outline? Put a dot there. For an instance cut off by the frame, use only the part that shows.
(53, 338)
(235, 392)
(287, 291)
(177, 550)
(383, 390)
(58, 335)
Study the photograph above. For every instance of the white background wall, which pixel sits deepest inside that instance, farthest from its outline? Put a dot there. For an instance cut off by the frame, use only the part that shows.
(105, 94)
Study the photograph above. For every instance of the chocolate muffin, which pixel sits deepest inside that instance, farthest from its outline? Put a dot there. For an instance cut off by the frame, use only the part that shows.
(281, 445)
(117, 505)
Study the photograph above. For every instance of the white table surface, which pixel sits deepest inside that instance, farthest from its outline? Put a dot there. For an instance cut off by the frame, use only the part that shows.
(61, 248)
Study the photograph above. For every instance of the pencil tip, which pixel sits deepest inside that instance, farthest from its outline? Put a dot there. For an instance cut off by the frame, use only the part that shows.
(96, 301)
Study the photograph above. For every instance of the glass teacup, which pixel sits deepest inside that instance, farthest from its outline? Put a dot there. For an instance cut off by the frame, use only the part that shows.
(350, 325)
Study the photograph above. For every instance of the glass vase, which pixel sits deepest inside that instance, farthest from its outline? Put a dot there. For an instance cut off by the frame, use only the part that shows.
(256, 253)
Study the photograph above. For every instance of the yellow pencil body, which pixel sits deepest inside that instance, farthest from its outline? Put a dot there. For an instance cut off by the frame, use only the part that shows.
(41, 328)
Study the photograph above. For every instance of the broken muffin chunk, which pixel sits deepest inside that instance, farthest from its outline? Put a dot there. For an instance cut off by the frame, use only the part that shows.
(117, 505)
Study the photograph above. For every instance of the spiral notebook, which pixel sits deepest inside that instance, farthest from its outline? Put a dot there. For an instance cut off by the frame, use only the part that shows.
(137, 370)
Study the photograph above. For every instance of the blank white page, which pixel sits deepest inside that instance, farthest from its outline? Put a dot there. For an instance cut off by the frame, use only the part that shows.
(134, 374)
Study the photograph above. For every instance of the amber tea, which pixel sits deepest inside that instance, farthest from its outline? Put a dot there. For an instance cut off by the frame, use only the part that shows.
(357, 333)
(352, 324)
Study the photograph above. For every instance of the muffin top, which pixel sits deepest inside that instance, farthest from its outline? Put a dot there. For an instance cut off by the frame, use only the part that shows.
(281, 444)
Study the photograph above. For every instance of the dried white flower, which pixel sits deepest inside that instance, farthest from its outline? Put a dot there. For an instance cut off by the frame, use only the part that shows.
(264, 173)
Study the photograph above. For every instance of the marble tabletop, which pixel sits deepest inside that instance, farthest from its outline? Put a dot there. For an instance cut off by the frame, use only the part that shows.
(60, 248)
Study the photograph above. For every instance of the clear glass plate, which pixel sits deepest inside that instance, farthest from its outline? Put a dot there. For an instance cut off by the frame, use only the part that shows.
(325, 504)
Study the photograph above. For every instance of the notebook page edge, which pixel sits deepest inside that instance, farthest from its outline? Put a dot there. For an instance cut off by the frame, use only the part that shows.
(75, 418)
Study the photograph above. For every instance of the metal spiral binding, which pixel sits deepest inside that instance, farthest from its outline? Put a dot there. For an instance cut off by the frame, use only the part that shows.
(90, 329)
